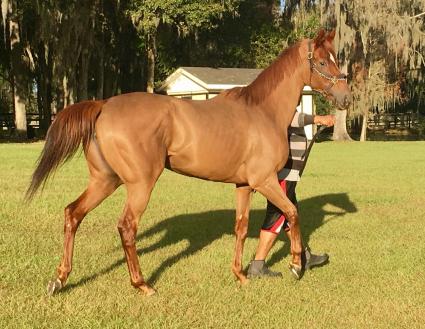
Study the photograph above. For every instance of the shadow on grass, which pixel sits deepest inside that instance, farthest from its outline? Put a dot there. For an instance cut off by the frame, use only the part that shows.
(17, 140)
(202, 229)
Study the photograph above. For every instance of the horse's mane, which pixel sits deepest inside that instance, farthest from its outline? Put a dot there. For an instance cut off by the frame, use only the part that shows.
(268, 79)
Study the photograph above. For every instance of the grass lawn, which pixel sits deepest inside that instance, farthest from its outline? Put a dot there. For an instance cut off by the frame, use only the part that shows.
(363, 203)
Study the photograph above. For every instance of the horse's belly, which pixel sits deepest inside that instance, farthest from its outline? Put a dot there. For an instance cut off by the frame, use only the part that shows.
(211, 155)
(210, 168)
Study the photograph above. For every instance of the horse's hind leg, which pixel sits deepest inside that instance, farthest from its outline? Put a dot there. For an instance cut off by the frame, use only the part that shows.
(98, 189)
(137, 199)
(243, 200)
(102, 182)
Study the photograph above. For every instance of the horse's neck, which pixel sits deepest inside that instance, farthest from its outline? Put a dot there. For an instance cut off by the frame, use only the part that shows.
(282, 102)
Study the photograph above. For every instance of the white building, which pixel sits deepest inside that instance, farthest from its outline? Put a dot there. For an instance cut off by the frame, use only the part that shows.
(201, 83)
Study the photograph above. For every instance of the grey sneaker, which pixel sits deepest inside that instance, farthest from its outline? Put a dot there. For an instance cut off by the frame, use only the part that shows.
(312, 260)
(309, 261)
(259, 269)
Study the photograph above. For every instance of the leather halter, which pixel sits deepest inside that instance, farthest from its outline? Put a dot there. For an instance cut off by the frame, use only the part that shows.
(333, 79)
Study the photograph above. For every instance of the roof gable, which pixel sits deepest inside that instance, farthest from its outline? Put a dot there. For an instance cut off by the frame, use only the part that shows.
(183, 84)
(224, 76)
(209, 78)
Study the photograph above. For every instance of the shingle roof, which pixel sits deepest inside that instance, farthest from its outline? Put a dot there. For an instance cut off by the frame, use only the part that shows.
(221, 76)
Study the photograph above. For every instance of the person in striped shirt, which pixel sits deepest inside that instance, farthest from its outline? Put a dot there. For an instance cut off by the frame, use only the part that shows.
(288, 177)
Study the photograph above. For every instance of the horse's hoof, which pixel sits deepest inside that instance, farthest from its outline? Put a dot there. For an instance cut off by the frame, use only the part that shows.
(296, 271)
(54, 286)
(147, 290)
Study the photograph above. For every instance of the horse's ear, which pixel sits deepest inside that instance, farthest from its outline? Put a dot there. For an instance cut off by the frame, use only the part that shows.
(320, 38)
(331, 36)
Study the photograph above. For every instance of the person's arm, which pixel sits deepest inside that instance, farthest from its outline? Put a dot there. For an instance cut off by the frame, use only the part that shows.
(301, 120)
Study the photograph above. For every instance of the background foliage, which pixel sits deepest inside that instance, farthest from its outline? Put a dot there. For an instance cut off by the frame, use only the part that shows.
(54, 53)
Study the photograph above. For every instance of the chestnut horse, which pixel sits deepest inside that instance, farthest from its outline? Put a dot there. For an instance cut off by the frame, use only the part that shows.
(238, 137)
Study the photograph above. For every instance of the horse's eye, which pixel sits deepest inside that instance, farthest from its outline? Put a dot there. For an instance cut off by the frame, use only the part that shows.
(322, 63)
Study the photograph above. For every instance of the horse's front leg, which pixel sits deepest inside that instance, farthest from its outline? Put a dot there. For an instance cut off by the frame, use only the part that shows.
(270, 188)
(243, 201)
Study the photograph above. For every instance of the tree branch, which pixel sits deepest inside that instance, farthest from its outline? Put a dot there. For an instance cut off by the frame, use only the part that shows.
(30, 56)
(418, 15)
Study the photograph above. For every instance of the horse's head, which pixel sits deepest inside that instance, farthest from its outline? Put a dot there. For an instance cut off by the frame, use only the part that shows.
(324, 74)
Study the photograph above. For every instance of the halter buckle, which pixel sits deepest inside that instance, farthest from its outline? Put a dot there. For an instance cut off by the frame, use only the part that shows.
(310, 55)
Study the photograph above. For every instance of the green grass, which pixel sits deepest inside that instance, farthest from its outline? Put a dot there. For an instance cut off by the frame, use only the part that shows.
(361, 203)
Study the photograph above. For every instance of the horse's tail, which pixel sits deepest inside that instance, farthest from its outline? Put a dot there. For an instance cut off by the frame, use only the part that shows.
(72, 126)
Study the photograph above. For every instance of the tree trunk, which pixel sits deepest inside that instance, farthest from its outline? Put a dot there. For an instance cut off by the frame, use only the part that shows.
(322, 10)
(151, 50)
(364, 129)
(100, 76)
(337, 38)
(65, 90)
(18, 74)
(83, 76)
(111, 74)
(4, 12)
(108, 75)
(68, 90)
(45, 76)
(340, 128)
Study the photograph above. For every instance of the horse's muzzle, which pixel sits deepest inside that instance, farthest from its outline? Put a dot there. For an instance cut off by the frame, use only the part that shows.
(343, 101)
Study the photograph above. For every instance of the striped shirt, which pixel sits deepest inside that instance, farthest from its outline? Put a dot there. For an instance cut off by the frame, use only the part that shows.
(298, 144)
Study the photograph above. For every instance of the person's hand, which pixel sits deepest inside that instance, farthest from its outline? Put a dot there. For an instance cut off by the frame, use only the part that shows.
(325, 120)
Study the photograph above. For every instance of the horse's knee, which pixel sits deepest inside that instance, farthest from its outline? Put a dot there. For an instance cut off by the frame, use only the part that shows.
(127, 238)
(292, 216)
(241, 226)
(73, 217)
